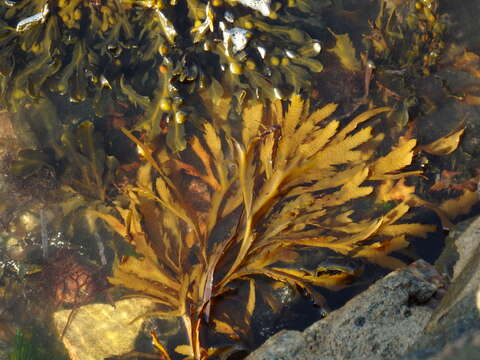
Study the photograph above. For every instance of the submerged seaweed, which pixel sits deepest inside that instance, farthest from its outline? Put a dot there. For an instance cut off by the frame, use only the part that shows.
(29, 346)
(272, 199)
(152, 54)
(286, 185)
(158, 57)
(61, 171)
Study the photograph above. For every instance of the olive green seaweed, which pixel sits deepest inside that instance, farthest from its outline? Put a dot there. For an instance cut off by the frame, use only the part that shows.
(29, 345)
(131, 50)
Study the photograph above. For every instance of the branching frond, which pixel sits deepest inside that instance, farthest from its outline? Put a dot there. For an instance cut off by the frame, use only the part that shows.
(235, 209)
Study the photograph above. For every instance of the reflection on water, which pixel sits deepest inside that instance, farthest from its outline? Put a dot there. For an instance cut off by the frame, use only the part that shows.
(243, 167)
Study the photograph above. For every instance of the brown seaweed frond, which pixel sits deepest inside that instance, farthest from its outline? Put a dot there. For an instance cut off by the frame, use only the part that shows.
(286, 184)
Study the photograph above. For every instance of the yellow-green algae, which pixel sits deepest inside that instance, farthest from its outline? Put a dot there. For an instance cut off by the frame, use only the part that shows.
(153, 54)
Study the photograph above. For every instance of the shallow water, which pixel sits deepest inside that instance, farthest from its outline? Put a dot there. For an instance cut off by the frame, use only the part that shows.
(64, 154)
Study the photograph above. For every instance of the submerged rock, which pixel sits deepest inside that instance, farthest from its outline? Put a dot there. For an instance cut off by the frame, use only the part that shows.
(98, 331)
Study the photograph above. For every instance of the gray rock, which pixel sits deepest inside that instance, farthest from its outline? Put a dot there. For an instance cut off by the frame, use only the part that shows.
(403, 316)
(465, 348)
(457, 315)
(380, 323)
(449, 256)
(284, 345)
